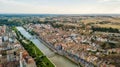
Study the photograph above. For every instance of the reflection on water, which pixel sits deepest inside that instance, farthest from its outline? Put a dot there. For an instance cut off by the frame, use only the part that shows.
(58, 60)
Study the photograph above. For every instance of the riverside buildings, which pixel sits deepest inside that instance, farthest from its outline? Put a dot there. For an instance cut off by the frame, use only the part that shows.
(12, 53)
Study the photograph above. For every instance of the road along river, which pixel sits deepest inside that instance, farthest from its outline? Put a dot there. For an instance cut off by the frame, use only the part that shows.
(56, 59)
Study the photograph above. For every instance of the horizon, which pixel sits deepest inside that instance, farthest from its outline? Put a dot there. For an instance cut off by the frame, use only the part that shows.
(25, 14)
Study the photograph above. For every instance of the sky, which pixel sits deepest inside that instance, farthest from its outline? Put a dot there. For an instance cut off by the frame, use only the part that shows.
(60, 6)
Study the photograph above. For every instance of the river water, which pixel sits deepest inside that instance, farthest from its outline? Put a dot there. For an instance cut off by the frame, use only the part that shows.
(58, 60)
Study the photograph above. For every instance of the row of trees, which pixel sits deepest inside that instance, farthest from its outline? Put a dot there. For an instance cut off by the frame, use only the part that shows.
(111, 30)
(18, 21)
(9, 23)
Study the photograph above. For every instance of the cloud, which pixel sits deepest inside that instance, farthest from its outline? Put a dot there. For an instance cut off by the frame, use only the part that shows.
(109, 0)
(40, 6)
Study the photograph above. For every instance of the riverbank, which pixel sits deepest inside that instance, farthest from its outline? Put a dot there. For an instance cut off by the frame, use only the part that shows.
(58, 60)
(73, 58)
(51, 47)
(58, 52)
(39, 57)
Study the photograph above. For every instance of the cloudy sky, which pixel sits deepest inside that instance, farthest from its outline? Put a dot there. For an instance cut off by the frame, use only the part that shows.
(60, 6)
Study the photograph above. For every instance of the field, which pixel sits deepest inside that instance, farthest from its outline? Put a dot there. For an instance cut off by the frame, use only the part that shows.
(100, 19)
(108, 26)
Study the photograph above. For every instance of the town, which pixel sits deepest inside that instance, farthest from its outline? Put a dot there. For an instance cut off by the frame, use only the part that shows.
(82, 43)
(87, 41)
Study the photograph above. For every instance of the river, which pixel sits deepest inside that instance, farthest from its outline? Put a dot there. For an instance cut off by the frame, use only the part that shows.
(56, 59)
